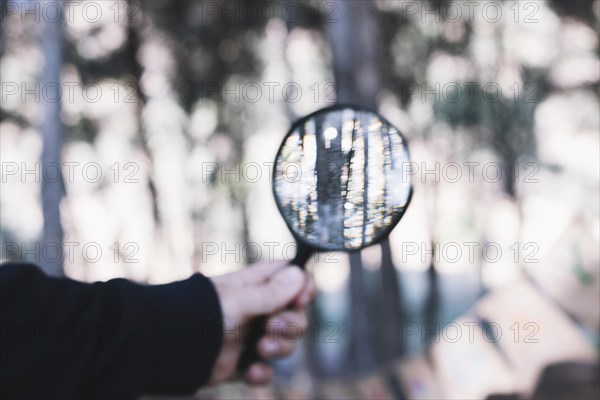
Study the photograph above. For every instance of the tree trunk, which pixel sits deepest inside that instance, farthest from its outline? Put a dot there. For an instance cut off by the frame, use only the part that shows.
(354, 40)
(51, 131)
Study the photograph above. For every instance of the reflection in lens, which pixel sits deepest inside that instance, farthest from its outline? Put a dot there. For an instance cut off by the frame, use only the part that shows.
(340, 180)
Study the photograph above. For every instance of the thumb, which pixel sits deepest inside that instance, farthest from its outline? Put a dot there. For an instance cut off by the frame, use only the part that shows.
(274, 294)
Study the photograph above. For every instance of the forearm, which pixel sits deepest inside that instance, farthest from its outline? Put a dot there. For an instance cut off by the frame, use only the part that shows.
(114, 339)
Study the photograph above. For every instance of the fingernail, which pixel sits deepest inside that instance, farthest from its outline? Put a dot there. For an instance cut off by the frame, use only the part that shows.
(290, 276)
(277, 323)
(258, 373)
(270, 347)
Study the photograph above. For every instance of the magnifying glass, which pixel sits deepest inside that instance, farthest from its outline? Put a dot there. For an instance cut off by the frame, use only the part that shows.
(340, 183)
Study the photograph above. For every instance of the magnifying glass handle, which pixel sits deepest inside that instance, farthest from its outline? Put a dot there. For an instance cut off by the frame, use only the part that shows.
(302, 255)
(257, 327)
(254, 331)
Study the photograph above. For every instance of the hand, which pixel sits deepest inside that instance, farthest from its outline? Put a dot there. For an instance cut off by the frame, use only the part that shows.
(261, 289)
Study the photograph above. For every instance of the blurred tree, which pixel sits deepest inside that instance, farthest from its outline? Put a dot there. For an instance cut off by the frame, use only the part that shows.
(51, 128)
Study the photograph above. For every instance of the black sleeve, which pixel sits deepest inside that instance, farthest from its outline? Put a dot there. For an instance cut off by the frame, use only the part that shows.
(117, 339)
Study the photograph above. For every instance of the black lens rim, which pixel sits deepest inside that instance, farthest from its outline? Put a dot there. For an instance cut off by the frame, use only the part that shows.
(385, 232)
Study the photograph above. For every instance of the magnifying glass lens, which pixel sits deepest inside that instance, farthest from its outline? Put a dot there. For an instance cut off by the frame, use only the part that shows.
(340, 178)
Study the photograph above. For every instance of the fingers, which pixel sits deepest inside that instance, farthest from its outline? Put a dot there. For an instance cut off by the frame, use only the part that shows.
(257, 273)
(284, 322)
(258, 374)
(283, 331)
(263, 289)
(277, 347)
(275, 294)
(307, 294)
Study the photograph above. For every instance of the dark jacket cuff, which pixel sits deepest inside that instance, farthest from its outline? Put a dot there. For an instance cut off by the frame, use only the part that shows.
(185, 334)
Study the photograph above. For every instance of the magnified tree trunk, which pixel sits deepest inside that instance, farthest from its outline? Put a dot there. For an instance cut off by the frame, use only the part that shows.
(51, 131)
